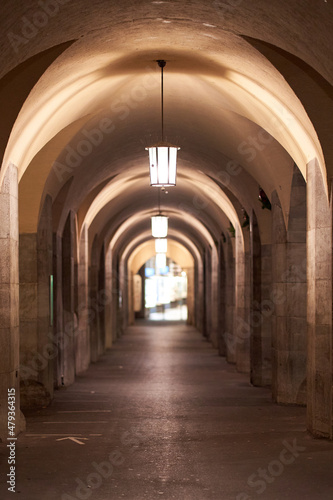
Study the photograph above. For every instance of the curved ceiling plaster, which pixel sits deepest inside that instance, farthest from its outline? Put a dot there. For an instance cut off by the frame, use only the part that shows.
(231, 173)
(176, 252)
(227, 172)
(288, 26)
(203, 192)
(211, 93)
(189, 226)
(16, 85)
(129, 226)
(177, 225)
(174, 235)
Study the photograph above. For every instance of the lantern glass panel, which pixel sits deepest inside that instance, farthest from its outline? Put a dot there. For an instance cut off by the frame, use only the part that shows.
(161, 245)
(159, 226)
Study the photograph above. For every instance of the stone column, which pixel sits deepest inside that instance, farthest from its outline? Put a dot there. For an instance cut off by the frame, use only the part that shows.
(120, 300)
(37, 352)
(100, 303)
(190, 296)
(199, 296)
(215, 309)
(230, 302)
(115, 299)
(9, 301)
(279, 250)
(130, 292)
(242, 330)
(123, 295)
(82, 339)
(58, 324)
(255, 314)
(108, 300)
(289, 299)
(319, 297)
(93, 291)
(261, 309)
(267, 310)
(222, 302)
(207, 293)
(30, 362)
(69, 320)
(141, 314)
(44, 271)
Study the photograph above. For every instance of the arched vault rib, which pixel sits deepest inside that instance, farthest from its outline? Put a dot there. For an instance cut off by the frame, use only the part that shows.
(201, 184)
(84, 92)
(176, 251)
(124, 230)
(175, 235)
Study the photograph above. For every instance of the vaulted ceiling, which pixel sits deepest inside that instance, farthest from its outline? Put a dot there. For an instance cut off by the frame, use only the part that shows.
(247, 94)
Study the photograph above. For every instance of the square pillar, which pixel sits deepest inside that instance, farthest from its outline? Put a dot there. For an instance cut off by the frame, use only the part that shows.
(319, 300)
(82, 340)
(9, 301)
(289, 296)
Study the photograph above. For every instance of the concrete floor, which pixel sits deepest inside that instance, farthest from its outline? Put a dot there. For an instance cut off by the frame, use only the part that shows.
(161, 415)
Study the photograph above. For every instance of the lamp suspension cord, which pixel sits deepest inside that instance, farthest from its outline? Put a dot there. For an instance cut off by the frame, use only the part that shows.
(162, 111)
(161, 64)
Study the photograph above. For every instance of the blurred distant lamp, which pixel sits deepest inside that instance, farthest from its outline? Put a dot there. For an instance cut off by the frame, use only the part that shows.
(162, 156)
(160, 260)
(161, 245)
(159, 226)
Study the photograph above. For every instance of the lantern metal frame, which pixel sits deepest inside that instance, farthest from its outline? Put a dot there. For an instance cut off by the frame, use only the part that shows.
(163, 155)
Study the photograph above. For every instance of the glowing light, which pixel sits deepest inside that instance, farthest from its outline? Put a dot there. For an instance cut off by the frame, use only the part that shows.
(159, 226)
(163, 165)
(160, 260)
(161, 245)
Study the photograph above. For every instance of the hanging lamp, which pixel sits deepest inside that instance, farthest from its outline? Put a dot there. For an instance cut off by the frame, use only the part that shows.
(160, 260)
(161, 245)
(159, 222)
(159, 226)
(162, 156)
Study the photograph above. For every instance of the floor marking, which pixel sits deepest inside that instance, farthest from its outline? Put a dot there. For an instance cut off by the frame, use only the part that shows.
(85, 411)
(73, 439)
(62, 434)
(68, 401)
(69, 422)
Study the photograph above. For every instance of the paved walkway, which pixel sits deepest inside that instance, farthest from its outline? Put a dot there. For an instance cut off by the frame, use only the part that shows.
(162, 416)
(177, 313)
